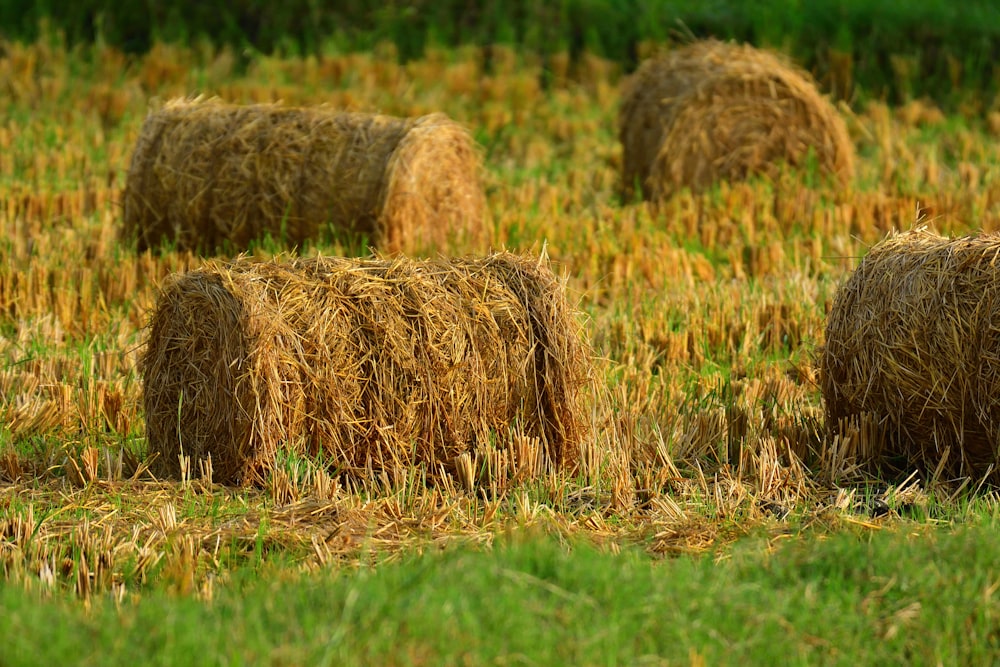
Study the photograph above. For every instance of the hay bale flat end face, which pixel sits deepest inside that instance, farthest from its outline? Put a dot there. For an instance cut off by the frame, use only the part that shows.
(202, 336)
(205, 174)
(372, 363)
(912, 342)
(715, 111)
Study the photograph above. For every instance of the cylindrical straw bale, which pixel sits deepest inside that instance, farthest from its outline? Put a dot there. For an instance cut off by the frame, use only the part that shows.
(206, 175)
(913, 346)
(713, 111)
(364, 363)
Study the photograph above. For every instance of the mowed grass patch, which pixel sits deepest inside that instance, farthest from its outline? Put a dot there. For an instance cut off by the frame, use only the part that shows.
(905, 596)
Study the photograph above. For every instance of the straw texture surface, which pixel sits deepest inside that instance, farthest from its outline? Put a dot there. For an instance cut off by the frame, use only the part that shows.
(913, 344)
(206, 175)
(713, 111)
(362, 363)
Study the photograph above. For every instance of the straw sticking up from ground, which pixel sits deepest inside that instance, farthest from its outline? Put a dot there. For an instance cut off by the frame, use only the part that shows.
(912, 349)
(715, 111)
(365, 364)
(205, 174)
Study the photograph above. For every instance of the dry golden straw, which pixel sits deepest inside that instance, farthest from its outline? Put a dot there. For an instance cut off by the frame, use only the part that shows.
(362, 363)
(912, 344)
(205, 174)
(713, 111)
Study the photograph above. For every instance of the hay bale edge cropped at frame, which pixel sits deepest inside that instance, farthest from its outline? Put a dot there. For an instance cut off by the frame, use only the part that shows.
(204, 174)
(713, 110)
(912, 347)
(362, 363)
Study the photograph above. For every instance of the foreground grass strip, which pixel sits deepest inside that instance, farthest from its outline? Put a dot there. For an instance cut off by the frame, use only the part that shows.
(893, 597)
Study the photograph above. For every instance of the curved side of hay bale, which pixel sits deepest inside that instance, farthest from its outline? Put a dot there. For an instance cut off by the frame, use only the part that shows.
(205, 174)
(912, 343)
(366, 363)
(713, 111)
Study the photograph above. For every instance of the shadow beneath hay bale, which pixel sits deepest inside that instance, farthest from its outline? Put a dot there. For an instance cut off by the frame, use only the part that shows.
(209, 176)
(374, 363)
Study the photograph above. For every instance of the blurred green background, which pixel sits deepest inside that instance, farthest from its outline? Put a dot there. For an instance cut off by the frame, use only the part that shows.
(890, 49)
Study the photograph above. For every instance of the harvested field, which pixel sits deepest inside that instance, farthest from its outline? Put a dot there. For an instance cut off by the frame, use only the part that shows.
(704, 421)
(712, 111)
(206, 175)
(912, 352)
(369, 364)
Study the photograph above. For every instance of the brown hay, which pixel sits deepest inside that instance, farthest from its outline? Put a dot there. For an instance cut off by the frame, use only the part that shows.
(205, 174)
(369, 363)
(912, 346)
(714, 111)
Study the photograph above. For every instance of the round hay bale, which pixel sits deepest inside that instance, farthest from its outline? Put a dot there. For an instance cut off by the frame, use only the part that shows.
(205, 174)
(364, 363)
(912, 345)
(713, 111)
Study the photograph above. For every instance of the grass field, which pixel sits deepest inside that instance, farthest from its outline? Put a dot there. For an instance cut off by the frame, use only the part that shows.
(709, 449)
(924, 596)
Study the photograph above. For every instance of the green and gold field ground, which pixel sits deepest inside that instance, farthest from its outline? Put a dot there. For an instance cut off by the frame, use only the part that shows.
(710, 481)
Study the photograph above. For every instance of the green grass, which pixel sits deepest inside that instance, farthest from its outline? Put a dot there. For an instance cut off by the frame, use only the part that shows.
(909, 596)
